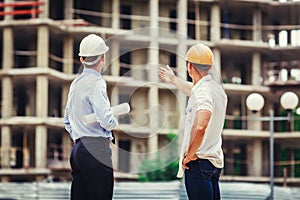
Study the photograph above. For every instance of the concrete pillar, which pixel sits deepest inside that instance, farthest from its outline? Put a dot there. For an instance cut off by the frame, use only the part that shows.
(256, 74)
(254, 158)
(68, 14)
(217, 59)
(153, 61)
(153, 53)
(7, 97)
(197, 19)
(42, 80)
(43, 46)
(41, 130)
(182, 18)
(68, 49)
(254, 124)
(42, 98)
(40, 148)
(8, 48)
(255, 150)
(154, 117)
(45, 7)
(256, 69)
(215, 29)
(181, 63)
(154, 14)
(5, 146)
(7, 63)
(115, 58)
(257, 25)
(116, 14)
(182, 38)
(106, 7)
(7, 100)
(8, 9)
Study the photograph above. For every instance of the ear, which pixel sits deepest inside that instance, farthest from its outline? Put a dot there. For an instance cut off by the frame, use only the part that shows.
(103, 58)
(191, 67)
(81, 59)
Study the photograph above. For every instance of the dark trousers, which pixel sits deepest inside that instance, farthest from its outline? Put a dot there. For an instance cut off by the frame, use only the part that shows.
(92, 171)
(202, 180)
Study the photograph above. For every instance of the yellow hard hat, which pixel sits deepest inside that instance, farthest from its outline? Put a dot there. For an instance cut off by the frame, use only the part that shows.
(200, 54)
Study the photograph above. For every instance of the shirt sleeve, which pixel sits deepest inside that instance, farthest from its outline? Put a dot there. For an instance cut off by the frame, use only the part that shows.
(203, 100)
(67, 114)
(101, 107)
(67, 122)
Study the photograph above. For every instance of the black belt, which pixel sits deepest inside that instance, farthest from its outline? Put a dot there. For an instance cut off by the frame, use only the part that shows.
(77, 140)
(89, 138)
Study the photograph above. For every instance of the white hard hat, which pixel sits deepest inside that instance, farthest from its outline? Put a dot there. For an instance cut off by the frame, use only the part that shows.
(92, 45)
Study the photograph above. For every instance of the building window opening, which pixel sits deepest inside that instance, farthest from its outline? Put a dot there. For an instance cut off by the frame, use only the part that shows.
(90, 12)
(191, 26)
(172, 24)
(125, 64)
(55, 149)
(126, 12)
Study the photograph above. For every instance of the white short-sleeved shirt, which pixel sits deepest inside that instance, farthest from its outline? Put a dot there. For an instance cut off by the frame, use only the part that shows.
(208, 95)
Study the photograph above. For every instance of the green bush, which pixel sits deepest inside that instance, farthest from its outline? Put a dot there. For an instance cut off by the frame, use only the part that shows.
(153, 170)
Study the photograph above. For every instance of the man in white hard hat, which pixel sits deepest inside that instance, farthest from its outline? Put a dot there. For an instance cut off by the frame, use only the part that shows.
(90, 160)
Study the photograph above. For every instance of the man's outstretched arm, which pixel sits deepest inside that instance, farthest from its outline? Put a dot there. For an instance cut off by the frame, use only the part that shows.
(167, 75)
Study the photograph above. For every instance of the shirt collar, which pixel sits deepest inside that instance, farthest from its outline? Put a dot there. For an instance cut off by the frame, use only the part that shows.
(205, 78)
(91, 71)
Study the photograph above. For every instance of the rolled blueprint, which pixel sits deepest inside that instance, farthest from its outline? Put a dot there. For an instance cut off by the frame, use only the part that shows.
(120, 109)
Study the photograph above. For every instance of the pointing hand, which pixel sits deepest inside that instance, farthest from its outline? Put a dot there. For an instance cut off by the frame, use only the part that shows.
(166, 74)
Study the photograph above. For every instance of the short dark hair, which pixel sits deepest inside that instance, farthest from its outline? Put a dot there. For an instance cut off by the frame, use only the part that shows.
(92, 58)
(201, 66)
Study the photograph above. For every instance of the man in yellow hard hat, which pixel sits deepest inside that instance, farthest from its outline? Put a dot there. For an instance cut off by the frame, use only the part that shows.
(201, 159)
(90, 160)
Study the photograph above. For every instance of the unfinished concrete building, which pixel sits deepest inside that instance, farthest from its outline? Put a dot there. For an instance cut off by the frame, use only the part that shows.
(256, 47)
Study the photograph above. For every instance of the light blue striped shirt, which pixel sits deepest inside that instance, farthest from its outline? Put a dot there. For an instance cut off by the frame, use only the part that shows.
(88, 95)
